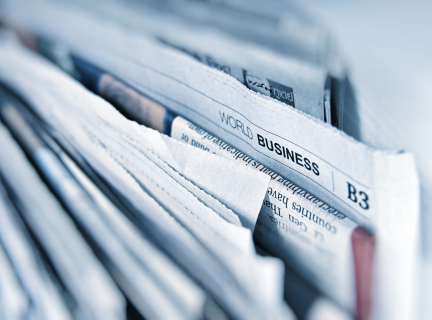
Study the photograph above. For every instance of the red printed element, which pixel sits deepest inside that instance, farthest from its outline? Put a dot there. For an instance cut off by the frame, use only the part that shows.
(363, 244)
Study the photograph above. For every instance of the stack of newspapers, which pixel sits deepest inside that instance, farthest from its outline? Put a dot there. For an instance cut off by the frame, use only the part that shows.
(186, 159)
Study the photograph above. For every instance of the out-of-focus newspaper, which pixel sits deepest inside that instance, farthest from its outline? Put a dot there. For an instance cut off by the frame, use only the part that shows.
(280, 25)
(259, 69)
(218, 254)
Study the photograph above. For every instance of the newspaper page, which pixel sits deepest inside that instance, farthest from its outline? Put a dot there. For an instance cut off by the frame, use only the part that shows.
(177, 285)
(303, 233)
(73, 258)
(123, 266)
(290, 81)
(321, 240)
(15, 301)
(41, 290)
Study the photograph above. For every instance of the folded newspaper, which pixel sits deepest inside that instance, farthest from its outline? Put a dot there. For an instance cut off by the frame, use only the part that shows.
(150, 147)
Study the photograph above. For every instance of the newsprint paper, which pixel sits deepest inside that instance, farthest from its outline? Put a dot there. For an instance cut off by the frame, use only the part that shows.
(377, 189)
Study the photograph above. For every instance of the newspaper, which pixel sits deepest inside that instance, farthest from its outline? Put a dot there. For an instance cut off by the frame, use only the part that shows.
(212, 110)
(377, 189)
(46, 301)
(178, 286)
(148, 294)
(307, 302)
(310, 243)
(309, 235)
(80, 271)
(280, 25)
(289, 81)
(141, 288)
(14, 300)
(175, 284)
(217, 255)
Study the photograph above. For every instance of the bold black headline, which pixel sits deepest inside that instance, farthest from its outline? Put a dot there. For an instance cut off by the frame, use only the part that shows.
(282, 151)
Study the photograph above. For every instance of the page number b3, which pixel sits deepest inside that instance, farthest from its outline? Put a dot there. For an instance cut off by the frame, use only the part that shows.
(358, 196)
